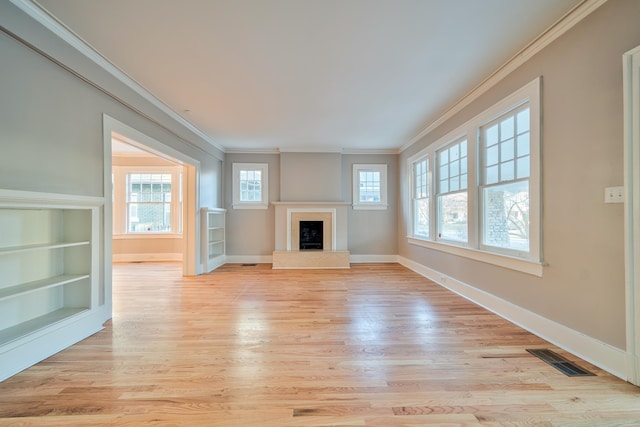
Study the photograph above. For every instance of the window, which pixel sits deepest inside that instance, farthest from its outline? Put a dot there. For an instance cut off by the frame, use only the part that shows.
(370, 186)
(486, 186)
(452, 192)
(420, 189)
(147, 199)
(506, 164)
(250, 186)
(148, 202)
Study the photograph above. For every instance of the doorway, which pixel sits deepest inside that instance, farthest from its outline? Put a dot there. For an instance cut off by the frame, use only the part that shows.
(190, 171)
(631, 76)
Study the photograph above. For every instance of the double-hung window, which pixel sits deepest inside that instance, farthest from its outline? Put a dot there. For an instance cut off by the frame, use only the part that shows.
(147, 199)
(486, 186)
(370, 186)
(250, 185)
(452, 192)
(420, 197)
(505, 172)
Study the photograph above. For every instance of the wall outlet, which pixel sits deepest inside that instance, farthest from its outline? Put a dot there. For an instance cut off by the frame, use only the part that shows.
(614, 195)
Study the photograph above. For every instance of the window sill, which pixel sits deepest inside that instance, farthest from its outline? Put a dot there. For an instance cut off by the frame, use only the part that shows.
(249, 206)
(147, 236)
(518, 264)
(370, 207)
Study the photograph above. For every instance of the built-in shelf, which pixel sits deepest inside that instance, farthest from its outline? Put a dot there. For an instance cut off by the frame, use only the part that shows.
(37, 285)
(213, 238)
(37, 324)
(38, 247)
(49, 289)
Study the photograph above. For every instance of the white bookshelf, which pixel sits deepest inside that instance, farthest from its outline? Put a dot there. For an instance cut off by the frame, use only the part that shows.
(48, 266)
(212, 223)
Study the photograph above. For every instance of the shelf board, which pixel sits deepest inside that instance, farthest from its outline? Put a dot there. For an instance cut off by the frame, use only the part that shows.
(215, 242)
(41, 246)
(49, 282)
(18, 331)
(215, 228)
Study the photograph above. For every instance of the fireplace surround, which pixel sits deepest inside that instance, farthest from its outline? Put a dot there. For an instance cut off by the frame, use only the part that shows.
(289, 216)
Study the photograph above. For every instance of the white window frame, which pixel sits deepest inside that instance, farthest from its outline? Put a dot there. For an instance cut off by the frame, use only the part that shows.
(382, 170)
(263, 203)
(528, 262)
(439, 193)
(120, 205)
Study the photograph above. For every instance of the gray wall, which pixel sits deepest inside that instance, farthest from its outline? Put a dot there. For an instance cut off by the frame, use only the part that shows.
(51, 134)
(329, 176)
(582, 153)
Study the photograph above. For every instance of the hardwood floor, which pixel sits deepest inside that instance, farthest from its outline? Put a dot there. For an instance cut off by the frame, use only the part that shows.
(377, 345)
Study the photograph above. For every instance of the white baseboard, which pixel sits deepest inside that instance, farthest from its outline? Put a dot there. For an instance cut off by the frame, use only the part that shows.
(147, 257)
(600, 354)
(356, 259)
(248, 259)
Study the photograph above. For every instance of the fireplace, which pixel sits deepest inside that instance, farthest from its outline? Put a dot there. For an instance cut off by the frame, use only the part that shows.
(311, 235)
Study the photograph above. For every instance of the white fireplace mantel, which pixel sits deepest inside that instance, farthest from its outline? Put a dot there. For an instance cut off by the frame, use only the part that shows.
(289, 214)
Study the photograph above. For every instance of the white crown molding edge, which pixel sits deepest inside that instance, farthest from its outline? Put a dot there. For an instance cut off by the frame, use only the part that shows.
(603, 355)
(39, 14)
(564, 24)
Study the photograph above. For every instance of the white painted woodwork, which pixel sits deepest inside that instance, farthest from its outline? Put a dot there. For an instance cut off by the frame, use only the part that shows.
(49, 290)
(212, 226)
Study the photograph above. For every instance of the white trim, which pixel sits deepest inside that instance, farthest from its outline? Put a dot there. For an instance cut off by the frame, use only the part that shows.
(381, 168)
(249, 259)
(142, 235)
(631, 97)
(264, 183)
(56, 198)
(372, 259)
(594, 351)
(523, 265)
(563, 25)
(152, 256)
(374, 151)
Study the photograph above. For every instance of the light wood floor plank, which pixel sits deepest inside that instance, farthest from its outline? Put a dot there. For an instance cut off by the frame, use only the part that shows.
(376, 345)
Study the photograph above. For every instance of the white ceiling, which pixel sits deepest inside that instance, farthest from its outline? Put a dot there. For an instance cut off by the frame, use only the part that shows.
(309, 74)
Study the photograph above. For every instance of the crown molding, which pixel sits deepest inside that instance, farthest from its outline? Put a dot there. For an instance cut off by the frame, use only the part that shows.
(564, 24)
(370, 151)
(40, 15)
(252, 151)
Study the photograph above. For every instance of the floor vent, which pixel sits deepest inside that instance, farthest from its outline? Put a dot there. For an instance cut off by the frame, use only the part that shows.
(249, 265)
(565, 366)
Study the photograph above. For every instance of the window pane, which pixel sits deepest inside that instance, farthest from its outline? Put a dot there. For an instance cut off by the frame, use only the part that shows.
(452, 217)
(492, 156)
(506, 171)
(523, 167)
(523, 121)
(491, 136)
(492, 175)
(506, 150)
(523, 144)
(506, 216)
(506, 128)
(421, 218)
